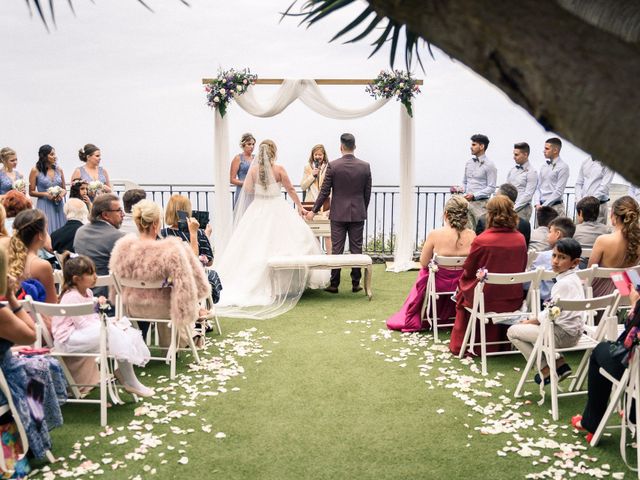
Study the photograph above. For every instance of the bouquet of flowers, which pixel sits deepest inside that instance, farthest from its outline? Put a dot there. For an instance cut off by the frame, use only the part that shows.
(19, 185)
(456, 189)
(55, 192)
(229, 84)
(396, 83)
(95, 187)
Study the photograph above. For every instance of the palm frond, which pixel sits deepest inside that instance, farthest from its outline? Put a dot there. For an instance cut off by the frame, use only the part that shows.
(314, 10)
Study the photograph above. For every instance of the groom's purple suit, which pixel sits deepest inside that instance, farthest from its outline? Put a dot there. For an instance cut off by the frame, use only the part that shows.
(348, 181)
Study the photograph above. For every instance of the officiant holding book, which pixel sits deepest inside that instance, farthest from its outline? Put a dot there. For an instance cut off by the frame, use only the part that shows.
(348, 182)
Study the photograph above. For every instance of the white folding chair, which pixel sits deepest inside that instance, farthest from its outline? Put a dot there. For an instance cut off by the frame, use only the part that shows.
(170, 358)
(532, 254)
(75, 310)
(10, 407)
(545, 345)
(429, 305)
(479, 317)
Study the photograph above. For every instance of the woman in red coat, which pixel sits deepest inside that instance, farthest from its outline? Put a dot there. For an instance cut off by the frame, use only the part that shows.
(499, 249)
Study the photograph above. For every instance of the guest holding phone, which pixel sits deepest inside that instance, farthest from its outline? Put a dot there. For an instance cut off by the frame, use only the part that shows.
(187, 228)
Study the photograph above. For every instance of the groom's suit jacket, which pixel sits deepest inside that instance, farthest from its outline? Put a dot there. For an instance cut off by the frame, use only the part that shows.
(348, 181)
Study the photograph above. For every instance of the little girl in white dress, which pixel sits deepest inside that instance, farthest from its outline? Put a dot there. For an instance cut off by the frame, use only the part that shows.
(82, 334)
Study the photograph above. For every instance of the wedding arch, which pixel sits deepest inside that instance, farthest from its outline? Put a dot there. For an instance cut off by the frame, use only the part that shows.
(309, 93)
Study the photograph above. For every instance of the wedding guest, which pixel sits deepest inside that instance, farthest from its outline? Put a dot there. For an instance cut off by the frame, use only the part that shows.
(14, 202)
(588, 227)
(553, 177)
(129, 199)
(499, 249)
(544, 216)
(147, 258)
(10, 178)
(524, 227)
(619, 249)
(192, 234)
(80, 190)
(77, 215)
(479, 179)
(568, 326)
(613, 358)
(91, 172)
(46, 183)
(452, 240)
(96, 239)
(348, 183)
(241, 163)
(26, 375)
(312, 178)
(82, 334)
(525, 178)
(594, 180)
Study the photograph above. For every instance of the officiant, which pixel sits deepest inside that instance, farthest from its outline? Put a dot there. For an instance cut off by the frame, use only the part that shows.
(312, 178)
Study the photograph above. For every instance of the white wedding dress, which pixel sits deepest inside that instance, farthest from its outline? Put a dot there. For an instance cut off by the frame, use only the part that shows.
(265, 226)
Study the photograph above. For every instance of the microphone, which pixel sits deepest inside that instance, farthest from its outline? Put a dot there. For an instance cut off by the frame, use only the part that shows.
(316, 164)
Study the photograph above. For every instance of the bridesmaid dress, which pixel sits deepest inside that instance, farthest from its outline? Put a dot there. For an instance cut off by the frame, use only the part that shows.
(53, 210)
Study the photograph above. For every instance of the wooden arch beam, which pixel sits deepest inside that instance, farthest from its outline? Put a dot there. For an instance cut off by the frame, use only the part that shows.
(319, 81)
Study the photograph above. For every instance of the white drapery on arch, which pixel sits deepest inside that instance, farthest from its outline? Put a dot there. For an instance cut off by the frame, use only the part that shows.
(308, 92)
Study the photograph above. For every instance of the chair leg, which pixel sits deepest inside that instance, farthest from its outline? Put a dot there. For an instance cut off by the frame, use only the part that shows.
(194, 350)
(613, 403)
(467, 335)
(103, 391)
(581, 372)
(172, 352)
(434, 312)
(367, 281)
(527, 368)
(551, 362)
(483, 346)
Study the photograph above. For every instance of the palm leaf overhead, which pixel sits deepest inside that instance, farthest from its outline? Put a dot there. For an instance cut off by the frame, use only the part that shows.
(314, 10)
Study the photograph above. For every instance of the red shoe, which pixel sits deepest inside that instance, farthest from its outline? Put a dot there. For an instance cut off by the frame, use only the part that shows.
(589, 437)
(574, 423)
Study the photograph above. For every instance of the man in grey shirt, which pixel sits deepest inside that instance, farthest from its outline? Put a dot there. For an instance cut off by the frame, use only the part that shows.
(553, 177)
(594, 180)
(524, 177)
(96, 239)
(479, 180)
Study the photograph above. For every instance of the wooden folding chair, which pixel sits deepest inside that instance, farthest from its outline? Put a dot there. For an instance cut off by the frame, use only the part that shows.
(170, 358)
(479, 317)
(429, 305)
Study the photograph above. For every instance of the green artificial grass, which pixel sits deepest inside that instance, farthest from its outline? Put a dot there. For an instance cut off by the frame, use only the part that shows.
(324, 394)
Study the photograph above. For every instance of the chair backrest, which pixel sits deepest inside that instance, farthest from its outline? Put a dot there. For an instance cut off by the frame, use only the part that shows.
(532, 254)
(105, 281)
(597, 303)
(120, 282)
(586, 252)
(514, 278)
(547, 275)
(448, 261)
(601, 272)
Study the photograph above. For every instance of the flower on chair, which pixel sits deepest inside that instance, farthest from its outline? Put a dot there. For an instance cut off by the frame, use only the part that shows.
(102, 305)
(167, 282)
(432, 266)
(553, 311)
(482, 274)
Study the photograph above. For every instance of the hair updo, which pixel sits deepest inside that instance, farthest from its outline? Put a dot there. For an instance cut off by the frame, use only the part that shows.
(88, 150)
(246, 138)
(626, 211)
(145, 213)
(267, 153)
(6, 153)
(457, 209)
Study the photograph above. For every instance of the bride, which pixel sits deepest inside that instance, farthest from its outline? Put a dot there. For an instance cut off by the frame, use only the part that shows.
(266, 226)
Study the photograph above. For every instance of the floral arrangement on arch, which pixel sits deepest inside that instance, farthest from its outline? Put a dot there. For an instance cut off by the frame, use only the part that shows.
(396, 83)
(228, 85)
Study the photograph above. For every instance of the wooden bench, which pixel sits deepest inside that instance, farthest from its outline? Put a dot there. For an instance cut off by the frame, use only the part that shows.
(326, 262)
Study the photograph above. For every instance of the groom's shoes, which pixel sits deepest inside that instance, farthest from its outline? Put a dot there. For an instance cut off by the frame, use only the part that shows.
(356, 288)
(331, 289)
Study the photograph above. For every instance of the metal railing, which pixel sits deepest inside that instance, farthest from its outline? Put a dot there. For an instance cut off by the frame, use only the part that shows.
(382, 214)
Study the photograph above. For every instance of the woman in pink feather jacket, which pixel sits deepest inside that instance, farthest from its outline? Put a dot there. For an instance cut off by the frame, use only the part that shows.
(147, 258)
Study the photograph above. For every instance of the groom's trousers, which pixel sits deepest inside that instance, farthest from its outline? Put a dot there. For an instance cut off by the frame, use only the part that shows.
(339, 232)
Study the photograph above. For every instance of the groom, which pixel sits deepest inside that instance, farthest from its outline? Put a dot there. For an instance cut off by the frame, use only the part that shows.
(348, 181)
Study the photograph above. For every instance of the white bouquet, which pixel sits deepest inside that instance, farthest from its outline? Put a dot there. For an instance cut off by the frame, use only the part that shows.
(55, 192)
(95, 187)
(19, 185)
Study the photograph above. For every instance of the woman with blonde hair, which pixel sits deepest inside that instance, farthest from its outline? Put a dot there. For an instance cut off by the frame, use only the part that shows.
(189, 231)
(499, 249)
(265, 227)
(241, 163)
(452, 240)
(619, 249)
(10, 178)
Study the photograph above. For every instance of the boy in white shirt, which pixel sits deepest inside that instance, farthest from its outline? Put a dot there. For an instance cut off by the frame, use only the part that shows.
(568, 326)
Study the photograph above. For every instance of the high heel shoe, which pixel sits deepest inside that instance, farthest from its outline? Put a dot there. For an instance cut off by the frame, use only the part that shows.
(575, 422)
(148, 392)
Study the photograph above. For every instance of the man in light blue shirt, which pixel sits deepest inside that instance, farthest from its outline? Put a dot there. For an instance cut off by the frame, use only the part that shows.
(553, 177)
(593, 181)
(524, 178)
(479, 180)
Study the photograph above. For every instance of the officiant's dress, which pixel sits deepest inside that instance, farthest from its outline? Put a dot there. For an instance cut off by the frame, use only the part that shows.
(268, 228)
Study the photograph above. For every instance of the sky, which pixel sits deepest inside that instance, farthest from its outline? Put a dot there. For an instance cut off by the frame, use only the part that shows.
(129, 81)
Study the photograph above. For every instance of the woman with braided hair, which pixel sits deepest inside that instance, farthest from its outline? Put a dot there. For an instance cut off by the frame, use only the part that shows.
(621, 248)
(452, 240)
(266, 226)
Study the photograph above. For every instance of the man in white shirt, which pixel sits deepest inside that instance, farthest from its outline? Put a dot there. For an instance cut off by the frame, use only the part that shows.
(479, 180)
(553, 177)
(594, 180)
(129, 199)
(568, 326)
(524, 178)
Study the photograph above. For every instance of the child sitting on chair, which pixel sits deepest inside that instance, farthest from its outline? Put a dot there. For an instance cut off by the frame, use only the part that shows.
(568, 326)
(82, 334)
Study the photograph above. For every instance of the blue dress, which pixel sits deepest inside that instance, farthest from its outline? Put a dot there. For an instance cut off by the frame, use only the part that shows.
(243, 168)
(6, 184)
(38, 389)
(84, 175)
(53, 210)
